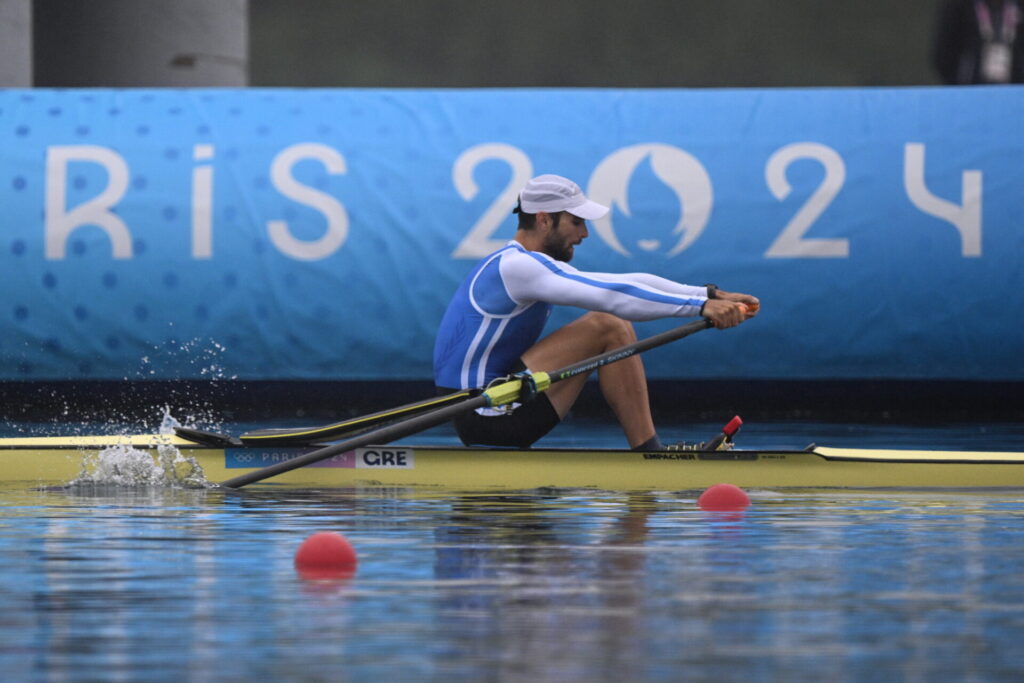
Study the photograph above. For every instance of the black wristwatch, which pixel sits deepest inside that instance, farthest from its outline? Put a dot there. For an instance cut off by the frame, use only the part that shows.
(712, 291)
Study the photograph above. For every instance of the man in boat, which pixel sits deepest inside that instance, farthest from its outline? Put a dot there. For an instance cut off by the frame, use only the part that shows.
(493, 323)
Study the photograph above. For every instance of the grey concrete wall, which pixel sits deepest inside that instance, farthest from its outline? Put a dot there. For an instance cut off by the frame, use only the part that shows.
(135, 43)
(15, 43)
(649, 43)
(469, 43)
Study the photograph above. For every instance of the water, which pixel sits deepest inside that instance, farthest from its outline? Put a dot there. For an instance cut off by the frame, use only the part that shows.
(106, 582)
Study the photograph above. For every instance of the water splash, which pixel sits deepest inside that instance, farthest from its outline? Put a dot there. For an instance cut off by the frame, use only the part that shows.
(168, 423)
(161, 464)
(196, 358)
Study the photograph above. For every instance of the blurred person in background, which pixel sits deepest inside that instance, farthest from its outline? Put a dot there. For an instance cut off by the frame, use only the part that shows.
(979, 42)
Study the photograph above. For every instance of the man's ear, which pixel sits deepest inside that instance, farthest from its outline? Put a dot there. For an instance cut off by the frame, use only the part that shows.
(543, 220)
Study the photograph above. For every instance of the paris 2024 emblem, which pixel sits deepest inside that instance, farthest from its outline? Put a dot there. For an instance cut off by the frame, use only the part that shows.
(679, 172)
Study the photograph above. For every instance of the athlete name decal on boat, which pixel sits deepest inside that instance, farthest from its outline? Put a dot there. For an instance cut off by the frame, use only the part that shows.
(389, 458)
(374, 457)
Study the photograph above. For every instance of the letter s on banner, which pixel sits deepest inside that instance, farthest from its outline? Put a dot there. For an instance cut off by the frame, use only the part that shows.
(331, 208)
(60, 222)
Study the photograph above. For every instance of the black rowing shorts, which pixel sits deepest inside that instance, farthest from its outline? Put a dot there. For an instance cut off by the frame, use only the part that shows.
(518, 429)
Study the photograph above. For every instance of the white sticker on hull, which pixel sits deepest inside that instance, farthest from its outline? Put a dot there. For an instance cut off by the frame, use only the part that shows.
(385, 458)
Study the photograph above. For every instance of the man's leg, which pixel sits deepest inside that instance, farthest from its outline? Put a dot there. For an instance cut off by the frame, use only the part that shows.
(623, 383)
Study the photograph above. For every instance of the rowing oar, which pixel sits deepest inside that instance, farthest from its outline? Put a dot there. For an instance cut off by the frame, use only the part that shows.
(498, 395)
(355, 424)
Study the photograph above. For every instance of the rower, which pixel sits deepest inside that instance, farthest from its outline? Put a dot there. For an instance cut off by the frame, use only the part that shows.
(494, 321)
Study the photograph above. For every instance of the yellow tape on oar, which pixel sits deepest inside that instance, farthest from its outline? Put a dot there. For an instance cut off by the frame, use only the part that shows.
(507, 392)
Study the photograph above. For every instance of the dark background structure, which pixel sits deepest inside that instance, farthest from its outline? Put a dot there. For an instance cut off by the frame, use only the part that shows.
(591, 43)
(466, 43)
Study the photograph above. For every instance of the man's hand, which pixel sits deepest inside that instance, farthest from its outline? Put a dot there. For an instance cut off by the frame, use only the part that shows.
(729, 309)
(752, 303)
(724, 313)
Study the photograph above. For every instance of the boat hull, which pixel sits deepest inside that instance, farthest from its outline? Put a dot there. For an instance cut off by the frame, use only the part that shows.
(60, 460)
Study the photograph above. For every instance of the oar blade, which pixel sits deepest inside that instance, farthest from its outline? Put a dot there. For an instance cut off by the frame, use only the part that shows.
(304, 435)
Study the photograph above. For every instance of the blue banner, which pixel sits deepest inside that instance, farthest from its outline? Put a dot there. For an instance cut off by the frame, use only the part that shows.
(290, 234)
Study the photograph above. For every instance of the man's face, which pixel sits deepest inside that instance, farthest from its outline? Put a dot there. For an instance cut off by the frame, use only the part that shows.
(563, 236)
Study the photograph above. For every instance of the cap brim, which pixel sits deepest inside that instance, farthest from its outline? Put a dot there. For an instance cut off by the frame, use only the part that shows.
(589, 210)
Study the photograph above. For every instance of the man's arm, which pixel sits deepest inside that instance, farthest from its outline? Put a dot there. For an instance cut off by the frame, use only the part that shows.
(632, 296)
(711, 291)
(532, 277)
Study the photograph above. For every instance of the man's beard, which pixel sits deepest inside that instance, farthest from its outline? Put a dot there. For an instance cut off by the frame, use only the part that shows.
(556, 247)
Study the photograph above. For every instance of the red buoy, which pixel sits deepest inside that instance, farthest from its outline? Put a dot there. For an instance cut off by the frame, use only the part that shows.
(724, 498)
(326, 555)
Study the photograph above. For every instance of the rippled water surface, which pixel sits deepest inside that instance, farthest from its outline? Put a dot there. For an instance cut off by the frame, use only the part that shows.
(122, 583)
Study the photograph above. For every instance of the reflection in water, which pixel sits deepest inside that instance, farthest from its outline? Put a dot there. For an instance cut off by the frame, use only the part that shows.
(111, 582)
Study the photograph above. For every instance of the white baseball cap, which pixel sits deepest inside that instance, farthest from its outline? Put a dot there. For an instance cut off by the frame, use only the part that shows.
(552, 193)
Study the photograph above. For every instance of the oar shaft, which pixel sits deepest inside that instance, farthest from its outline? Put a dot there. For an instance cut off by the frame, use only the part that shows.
(498, 395)
(378, 436)
(647, 344)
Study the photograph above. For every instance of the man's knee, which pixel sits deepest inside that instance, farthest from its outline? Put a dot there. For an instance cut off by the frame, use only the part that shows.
(610, 327)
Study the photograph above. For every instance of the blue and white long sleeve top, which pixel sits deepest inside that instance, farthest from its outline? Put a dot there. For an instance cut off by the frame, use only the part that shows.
(500, 309)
